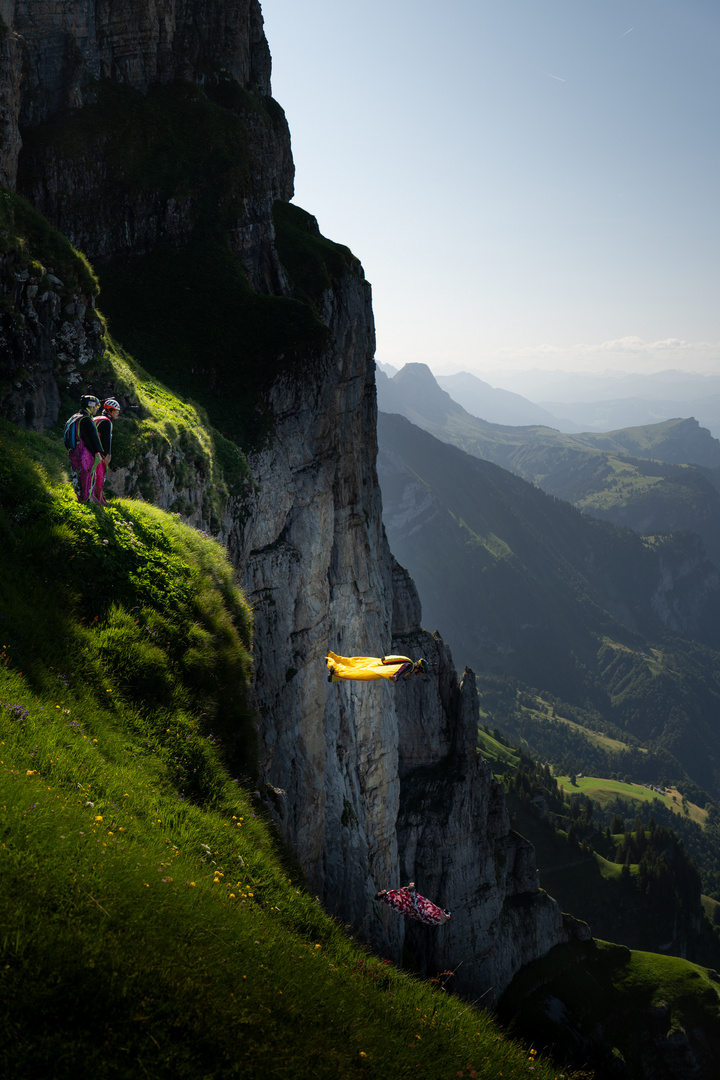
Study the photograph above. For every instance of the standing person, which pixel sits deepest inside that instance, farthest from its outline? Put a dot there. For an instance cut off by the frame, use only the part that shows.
(104, 426)
(84, 446)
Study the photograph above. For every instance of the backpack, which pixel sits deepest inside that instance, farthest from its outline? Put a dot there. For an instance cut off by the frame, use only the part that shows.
(70, 438)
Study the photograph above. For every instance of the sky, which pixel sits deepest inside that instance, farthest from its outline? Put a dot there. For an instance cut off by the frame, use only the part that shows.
(529, 184)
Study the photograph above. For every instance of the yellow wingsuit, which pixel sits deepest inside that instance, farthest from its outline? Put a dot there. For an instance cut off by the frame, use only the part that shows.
(365, 668)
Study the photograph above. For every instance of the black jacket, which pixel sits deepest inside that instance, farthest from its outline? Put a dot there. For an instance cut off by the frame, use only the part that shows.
(89, 434)
(103, 425)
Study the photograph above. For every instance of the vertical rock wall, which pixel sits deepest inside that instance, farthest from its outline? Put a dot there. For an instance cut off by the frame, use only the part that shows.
(68, 47)
(10, 77)
(377, 784)
(48, 335)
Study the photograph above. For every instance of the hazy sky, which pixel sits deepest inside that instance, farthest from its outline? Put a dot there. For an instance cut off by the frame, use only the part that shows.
(527, 183)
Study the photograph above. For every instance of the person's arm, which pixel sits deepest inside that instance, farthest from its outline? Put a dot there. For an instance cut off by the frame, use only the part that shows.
(104, 430)
(89, 435)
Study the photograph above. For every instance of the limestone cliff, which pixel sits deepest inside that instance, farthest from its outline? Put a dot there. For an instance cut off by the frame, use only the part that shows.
(381, 783)
(371, 785)
(48, 332)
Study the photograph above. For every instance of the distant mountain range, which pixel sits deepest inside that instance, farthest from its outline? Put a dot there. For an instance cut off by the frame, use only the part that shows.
(499, 406)
(574, 402)
(654, 479)
(525, 586)
(567, 387)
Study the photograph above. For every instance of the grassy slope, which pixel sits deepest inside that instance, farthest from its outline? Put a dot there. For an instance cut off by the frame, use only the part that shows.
(149, 923)
(606, 791)
(624, 1004)
(497, 752)
(602, 790)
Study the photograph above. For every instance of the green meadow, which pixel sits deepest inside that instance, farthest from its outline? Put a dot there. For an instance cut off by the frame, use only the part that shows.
(606, 791)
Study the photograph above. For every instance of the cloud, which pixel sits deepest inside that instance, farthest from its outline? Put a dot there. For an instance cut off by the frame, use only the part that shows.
(630, 353)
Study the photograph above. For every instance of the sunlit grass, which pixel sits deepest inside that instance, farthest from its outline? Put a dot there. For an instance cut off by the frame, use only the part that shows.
(605, 791)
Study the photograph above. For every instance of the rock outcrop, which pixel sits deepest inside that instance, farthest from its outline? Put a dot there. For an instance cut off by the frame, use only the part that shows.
(371, 784)
(48, 333)
(69, 54)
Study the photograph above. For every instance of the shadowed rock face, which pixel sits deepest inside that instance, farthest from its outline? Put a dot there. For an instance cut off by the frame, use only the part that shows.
(371, 784)
(382, 783)
(64, 55)
(48, 336)
(67, 48)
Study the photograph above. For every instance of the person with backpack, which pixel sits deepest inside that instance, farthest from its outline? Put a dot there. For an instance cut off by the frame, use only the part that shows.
(84, 447)
(104, 426)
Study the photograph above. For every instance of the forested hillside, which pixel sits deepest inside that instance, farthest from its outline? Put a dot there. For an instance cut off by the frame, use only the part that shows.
(621, 630)
(654, 479)
(624, 860)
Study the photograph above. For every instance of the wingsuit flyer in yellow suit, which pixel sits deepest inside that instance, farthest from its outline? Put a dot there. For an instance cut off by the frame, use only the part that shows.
(366, 668)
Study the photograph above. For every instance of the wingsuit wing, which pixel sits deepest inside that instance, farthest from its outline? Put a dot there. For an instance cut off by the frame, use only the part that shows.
(414, 906)
(363, 668)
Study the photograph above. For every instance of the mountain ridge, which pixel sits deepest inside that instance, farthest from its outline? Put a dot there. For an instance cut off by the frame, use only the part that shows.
(635, 477)
(527, 586)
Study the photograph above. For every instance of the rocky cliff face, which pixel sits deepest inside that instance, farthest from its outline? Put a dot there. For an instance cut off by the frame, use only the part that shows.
(371, 784)
(62, 56)
(377, 784)
(67, 49)
(10, 76)
(47, 334)
(81, 105)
